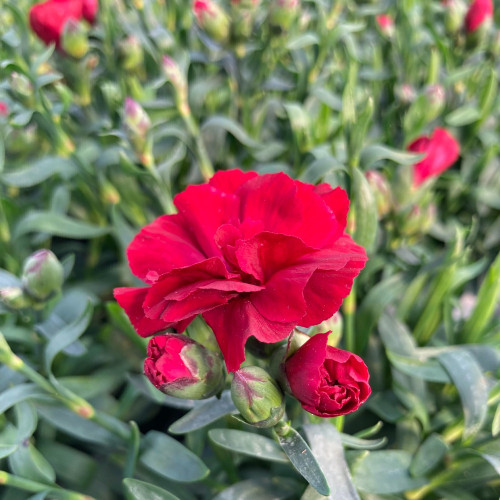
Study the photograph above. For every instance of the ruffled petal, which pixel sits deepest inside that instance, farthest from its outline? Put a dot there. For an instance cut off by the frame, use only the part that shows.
(161, 246)
(337, 201)
(131, 300)
(235, 322)
(229, 181)
(205, 208)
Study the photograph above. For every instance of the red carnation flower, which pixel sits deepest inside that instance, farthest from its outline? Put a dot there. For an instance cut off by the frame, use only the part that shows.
(256, 255)
(442, 152)
(479, 11)
(386, 24)
(4, 109)
(327, 381)
(47, 19)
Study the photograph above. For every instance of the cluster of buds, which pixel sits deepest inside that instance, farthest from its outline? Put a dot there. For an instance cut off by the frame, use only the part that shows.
(42, 278)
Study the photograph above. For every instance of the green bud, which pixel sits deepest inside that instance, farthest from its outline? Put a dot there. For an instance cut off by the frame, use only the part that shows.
(131, 53)
(257, 397)
(454, 15)
(381, 190)
(212, 19)
(283, 13)
(137, 124)
(43, 275)
(14, 298)
(20, 84)
(435, 100)
(74, 40)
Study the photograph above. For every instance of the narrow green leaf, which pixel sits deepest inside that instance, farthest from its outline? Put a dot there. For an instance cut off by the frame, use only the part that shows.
(233, 128)
(303, 460)
(365, 210)
(57, 225)
(169, 458)
(247, 443)
(464, 115)
(376, 152)
(471, 385)
(385, 473)
(326, 443)
(266, 488)
(140, 490)
(426, 369)
(204, 414)
(357, 443)
(302, 41)
(19, 393)
(428, 456)
(39, 171)
(28, 462)
(321, 167)
(133, 450)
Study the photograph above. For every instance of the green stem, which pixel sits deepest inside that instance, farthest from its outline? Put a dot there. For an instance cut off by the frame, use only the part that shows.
(349, 309)
(22, 483)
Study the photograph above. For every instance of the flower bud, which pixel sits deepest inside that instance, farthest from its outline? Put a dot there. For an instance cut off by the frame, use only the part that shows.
(417, 220)
(212, 19)
(479, 16)
(435, 100)
(4, 109)
(386, 25)
(137, 124)
(405, 93)
(74, 40)
(176, 77)
(14, 298)
(180, 367)
(20, 84)
(257, 397)
(131, 53)
(454, 15)
(42, 275)
(383, 195)
(283, 13)
(21, 140)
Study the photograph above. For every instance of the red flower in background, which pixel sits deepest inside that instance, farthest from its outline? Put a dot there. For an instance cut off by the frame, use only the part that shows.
(442, 151)
(256, 255)
(327, 381)
(479, 11)
(385, 23)
(4, 109)
(47, 19)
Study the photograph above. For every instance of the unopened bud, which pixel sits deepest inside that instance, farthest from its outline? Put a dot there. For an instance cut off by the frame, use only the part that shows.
(176, 77)
(20, 84)
(74, 40)
(137, 124)
(212, 19)
(418, 220)
(435, 101)
(4, 109)
(283, 13)
(21, 140)
(131, 53)
(43, 275)
(454, 15)
(257, 397)
(109, 193)
(405, 93)
(180, 367)
(386, 25)
(14, 298)
(383, 197)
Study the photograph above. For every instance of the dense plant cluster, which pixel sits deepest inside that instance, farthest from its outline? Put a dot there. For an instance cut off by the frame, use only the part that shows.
(298, 201)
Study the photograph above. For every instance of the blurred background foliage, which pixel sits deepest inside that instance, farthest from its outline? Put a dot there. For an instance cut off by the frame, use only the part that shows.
(321, 91)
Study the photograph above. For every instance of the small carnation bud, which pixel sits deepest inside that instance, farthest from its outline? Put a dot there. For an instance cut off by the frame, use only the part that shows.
(131, 53)
(181, 367)
(479, 16)
(137, 124)
(454, 15)
(42, 275)
(405, 93)
(418, 220)
(21, 140)
(383, 196)
(14, 298)
(4, 109)
(435, 101)
(74, 40)
(386, 25)
(212, 19)
(175, 76)
(109, 193)
(283, 13)
(257, 397)
(20, 84)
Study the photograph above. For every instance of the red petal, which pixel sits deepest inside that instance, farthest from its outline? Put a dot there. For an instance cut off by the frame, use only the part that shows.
(131, 300)
(337, 201)
(161, 246)
(206, 208)
(303, 369)
(230, 180)
(234, 322)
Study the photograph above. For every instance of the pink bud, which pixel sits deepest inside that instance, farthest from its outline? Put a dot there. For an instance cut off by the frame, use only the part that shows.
(386, 24)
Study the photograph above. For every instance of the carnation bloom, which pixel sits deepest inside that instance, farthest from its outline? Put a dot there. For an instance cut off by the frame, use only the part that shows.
(47, 19)
(327, 381)
(442, 151)
(479, 11)
(386, 24)
(4, 109)
(255, 255)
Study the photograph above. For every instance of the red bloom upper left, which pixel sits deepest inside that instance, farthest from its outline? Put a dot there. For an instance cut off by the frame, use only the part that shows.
(256, 255)
(47, 19)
